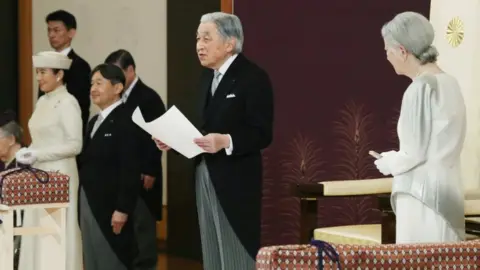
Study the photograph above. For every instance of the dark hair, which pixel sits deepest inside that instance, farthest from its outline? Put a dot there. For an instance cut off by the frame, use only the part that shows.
(63, 16)
(65, 72)
(121, 57)
(111, 73)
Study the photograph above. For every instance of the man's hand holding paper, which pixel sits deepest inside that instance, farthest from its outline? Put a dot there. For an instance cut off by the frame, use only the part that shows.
(213, 142)
(171, 130)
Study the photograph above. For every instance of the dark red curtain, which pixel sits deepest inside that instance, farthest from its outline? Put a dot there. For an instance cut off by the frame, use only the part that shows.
(336, 98)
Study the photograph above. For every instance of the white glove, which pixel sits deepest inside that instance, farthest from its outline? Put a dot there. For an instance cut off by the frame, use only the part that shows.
(383, 164)
(389, 153)
(26, 156)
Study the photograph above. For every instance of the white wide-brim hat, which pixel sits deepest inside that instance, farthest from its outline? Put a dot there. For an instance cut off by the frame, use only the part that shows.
(51, 60)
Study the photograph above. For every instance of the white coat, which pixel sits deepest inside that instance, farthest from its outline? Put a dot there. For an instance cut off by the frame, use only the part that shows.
(56, 131)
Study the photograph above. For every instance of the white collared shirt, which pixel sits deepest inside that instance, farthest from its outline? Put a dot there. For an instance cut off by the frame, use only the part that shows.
(102, 115)
(223, 69)
(110, 108)
(129, 90)
(66, 51)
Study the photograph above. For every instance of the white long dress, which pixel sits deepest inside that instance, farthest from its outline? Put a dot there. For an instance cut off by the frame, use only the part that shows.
(427, 192)
(56, 132)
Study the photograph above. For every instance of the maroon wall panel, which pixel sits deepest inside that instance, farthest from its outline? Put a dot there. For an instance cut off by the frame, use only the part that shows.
(336, 98)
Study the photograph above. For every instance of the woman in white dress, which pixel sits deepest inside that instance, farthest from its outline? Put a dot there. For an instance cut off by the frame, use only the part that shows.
(56, 131)
(427, 192)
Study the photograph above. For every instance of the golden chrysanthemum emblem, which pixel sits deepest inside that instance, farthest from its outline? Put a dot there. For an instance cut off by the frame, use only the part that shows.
(455, 32)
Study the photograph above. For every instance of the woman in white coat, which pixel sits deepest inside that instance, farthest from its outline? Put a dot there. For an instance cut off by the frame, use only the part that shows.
(427, 192)
(56, 131)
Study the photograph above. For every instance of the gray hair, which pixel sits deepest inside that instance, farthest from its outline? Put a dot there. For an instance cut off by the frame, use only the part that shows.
(415, 33)
(12, 129)
(228, 26)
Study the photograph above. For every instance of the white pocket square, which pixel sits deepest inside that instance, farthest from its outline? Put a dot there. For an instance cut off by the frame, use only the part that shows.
(108, 135)
(231, 96)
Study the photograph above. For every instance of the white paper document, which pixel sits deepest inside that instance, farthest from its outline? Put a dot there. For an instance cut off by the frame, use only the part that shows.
(173, 129)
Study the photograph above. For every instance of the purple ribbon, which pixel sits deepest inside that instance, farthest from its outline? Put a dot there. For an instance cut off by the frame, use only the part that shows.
(36, 172)
(329, 251)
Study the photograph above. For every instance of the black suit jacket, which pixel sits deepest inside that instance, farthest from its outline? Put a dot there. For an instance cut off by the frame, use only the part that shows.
(109, 172)
(247, 115)
(77, 81)
(152, 107)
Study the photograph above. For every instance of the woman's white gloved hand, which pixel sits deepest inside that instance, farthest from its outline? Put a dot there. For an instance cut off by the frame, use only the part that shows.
(26, 156)
(383, 164)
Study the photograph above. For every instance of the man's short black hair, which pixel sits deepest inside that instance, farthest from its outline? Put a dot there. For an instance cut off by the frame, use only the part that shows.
(111, 73)
(63, 16)
(121, 57)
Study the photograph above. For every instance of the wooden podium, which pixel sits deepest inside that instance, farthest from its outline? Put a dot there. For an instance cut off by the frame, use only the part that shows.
(54, 223)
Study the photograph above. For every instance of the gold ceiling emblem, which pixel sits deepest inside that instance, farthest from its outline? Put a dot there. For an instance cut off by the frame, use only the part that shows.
(455, 32)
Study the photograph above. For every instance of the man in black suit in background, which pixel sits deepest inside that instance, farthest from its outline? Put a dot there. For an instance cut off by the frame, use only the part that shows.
(109, 175)
(236, 112)
(62, 27)
(152, 107)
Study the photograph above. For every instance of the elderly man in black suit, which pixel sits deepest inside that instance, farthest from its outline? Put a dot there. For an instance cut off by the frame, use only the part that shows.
(62, 27)
(109, 174)
(236, 111)
(149, 209)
